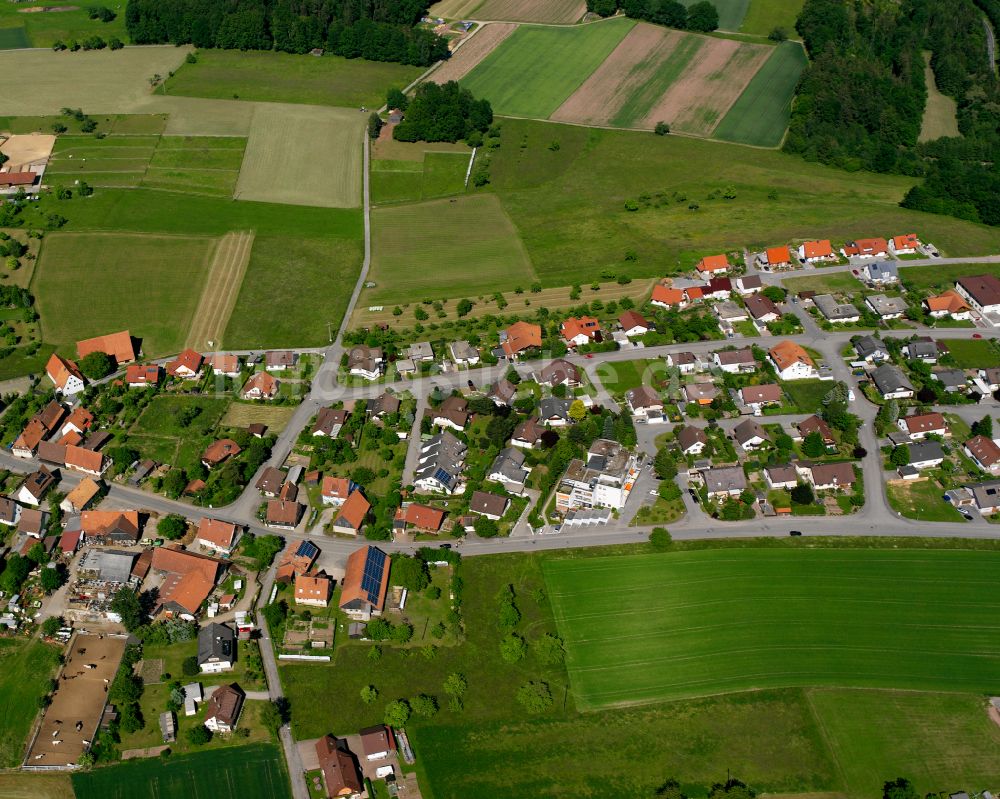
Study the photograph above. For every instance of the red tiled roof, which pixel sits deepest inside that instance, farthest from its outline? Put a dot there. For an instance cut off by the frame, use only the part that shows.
(778, 255)
(353, 511)
(713, 263)
(117, 345)
(522, 336)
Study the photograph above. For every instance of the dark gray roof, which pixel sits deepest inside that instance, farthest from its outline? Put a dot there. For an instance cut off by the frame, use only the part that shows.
(834, 310)
(868, 345)
(951, 377)
(748, 429)
(889, 378)
(510, 464)
(725, 478)
(925, 451)
(216, 642)
(554, 407)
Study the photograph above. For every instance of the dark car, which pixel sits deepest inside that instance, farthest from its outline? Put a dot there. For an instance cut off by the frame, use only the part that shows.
(795, 532)
(471, 384)
(694, 494)
(445, 546)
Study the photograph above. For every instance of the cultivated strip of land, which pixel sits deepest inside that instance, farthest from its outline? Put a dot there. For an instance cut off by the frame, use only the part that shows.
(218, 298)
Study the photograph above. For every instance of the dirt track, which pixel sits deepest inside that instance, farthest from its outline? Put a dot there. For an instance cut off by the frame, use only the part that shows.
(218, 298)
(79, 700)
(468, 56)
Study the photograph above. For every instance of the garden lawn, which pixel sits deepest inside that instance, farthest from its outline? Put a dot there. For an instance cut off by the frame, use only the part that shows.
(937, 740)
(807, 395)
(586, 230)
(239, 772)
(535, 69)
(760, 115)
(690, 624)
(445, 248)
(160, 417)
(763, 16)
(619, 376)
(823, 284)
(970, 353)
(25, 669)
(943, 276)
(922, 500)
(90, 284)
(289, 78)
(294, 293)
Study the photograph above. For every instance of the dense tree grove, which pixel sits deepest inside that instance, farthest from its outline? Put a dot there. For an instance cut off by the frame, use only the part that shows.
(861, 99)
(444, 113)
(702, 16)
(382, 31)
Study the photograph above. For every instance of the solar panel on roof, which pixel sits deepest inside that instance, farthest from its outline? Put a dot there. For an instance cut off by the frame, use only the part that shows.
(307, 549)
(371, 578)
(442, 476)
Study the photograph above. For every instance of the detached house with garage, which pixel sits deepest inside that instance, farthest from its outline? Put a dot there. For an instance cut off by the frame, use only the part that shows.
(634, 324)
(762, 309)
(866, 248)
(906, 244)
(579, 330)
(792, 362)
(883, 273)
(814, 251)
(775, 258)
(828, 476)
(891, 382)
(948, 303)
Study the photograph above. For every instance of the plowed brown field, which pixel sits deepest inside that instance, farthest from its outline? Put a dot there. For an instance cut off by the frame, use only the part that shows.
(480, 45)
(655, 74)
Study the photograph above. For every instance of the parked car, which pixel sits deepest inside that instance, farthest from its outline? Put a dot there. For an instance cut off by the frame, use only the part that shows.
(795, 532)
(445, 546)
(977, 335)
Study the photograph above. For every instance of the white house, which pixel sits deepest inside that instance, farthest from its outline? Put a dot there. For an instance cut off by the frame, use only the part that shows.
(735, 361)
(792, 362)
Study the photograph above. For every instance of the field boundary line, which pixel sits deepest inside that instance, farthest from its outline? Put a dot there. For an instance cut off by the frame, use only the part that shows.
(825, 735)
(218, 296)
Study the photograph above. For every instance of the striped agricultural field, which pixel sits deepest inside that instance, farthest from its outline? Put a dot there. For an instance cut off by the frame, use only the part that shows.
(657, 74)
(760, 116)
(657, 627)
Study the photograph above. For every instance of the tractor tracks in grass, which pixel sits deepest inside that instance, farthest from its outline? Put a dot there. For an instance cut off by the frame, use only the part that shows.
(218, 297)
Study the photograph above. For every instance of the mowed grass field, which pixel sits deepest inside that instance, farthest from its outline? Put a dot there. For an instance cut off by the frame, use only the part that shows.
(731, 12)
(763, 16)
(298, 302)
(303, 155)
(444, 248)
(941, 112)
(569, 204)
(534, 70)
(239, 772)
(197, 164)
(660, 627)
(288, 78)
(98, 81)
(25, 670)
(89, 284)
(937, 740)
(942, 276)
(23, 785)
(438, 175)
(970, 353)
(760, 115)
